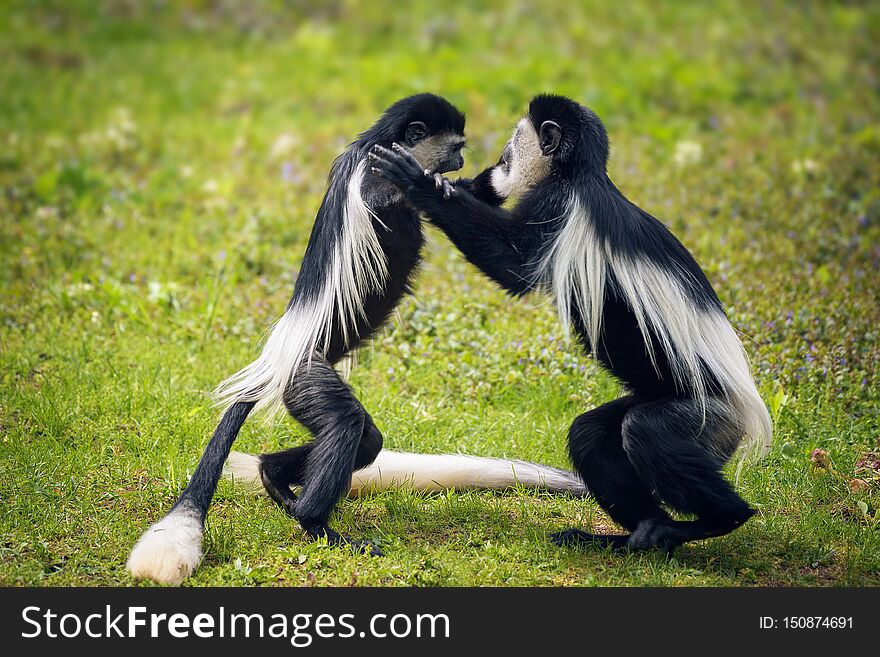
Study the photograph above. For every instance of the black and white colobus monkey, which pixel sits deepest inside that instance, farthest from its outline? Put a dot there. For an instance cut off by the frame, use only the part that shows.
(637, 300)
(361, 255)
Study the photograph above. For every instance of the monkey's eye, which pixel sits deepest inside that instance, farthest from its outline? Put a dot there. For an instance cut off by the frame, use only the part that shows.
(457, 147)
(415, 131)
(506, 154)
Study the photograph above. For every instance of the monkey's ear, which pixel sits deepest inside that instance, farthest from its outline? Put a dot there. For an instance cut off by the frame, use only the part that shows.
(415, 132)
(550, 135)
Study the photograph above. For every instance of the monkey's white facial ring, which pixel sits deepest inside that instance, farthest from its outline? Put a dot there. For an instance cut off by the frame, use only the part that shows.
(522, 163)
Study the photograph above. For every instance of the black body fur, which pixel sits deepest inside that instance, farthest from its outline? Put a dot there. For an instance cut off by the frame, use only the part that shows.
(345, 437)
(659, 444)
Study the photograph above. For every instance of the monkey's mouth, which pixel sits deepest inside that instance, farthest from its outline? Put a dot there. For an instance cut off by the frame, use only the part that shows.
(504, 162)
(453, 164)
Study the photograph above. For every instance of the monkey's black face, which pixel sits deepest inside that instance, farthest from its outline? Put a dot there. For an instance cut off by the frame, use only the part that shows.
(439, 153)
(558, 134)
(430, 128)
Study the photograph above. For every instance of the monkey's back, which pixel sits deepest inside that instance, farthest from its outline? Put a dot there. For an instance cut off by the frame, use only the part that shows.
(401, 238)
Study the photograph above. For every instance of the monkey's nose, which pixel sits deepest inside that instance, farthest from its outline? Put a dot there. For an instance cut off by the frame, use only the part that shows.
(459, 162)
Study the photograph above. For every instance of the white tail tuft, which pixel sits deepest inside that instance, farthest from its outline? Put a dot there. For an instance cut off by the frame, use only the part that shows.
(433, 472)
(170, 550)
(436, 472)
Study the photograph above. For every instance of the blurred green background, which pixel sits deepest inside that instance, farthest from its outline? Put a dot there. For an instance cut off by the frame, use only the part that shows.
(160, 167)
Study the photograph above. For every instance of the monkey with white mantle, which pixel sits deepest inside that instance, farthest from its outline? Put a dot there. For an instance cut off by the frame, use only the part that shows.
(637, 300)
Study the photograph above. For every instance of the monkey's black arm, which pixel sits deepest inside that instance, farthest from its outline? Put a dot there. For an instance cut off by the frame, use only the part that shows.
(481, 188)
(490, 237)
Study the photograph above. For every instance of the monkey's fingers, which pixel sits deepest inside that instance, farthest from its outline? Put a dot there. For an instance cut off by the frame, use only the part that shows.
(389, 170)
(381, 150)
(408, 160)
(383, 158)
(404, 171)
(442, 182)
(409, 166)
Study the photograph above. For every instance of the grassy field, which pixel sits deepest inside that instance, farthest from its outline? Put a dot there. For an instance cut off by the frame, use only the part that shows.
(160, 168)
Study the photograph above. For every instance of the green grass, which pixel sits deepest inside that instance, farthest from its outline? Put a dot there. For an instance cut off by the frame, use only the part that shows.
(160, 169)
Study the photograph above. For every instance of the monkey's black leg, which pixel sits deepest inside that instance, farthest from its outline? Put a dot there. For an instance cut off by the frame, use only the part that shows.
(199, 491)
(665, 441)
(596, 449)
(170, 549)
(322, 402)
(281, 470)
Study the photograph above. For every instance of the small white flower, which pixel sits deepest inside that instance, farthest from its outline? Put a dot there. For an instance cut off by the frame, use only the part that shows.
(688, 152)
(121, 133)
(805, 166)
(283, 144)
(154, 290)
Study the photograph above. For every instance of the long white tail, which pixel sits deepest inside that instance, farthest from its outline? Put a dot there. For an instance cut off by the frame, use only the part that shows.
(433, 472)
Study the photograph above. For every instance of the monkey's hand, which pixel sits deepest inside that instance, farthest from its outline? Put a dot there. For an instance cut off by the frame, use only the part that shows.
(442, 182)
(400, 168)
(483, 189)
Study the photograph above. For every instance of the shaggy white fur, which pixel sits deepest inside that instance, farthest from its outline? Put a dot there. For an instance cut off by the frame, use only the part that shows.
(358, 267)
(577, 267)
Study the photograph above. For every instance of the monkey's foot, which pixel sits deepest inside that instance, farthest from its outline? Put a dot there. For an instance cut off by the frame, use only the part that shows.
(666, 535)
(654, 534)
(280, 494)
(335, 538)
(575, 537)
